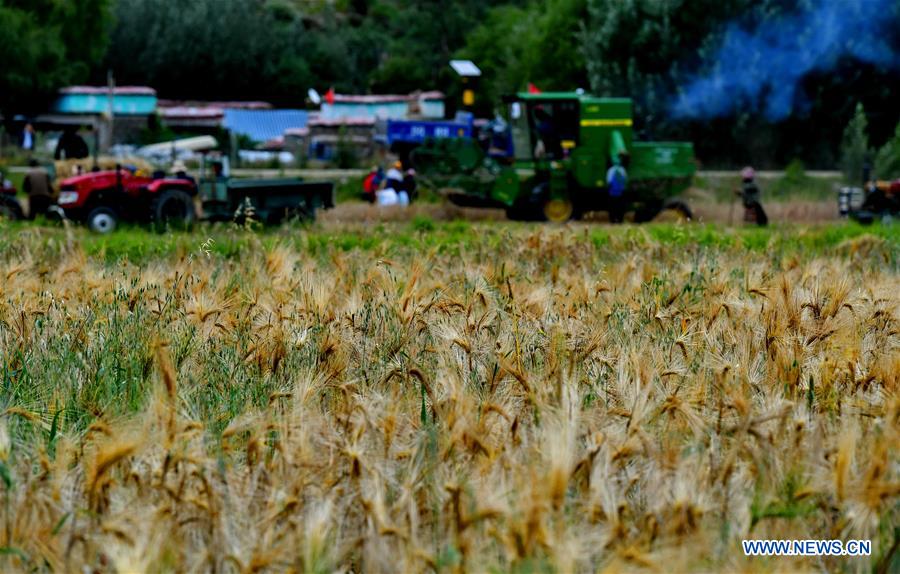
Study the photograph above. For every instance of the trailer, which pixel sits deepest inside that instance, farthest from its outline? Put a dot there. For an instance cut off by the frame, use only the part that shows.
(269, 201)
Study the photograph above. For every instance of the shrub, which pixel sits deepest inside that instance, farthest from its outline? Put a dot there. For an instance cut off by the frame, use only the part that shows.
(855, 146)
(887, 160)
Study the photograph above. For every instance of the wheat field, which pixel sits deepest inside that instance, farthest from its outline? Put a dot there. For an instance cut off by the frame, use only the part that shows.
(486, 398)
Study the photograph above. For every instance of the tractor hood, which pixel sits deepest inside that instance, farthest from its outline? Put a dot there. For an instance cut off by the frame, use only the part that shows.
(91, 179)
(75, 191)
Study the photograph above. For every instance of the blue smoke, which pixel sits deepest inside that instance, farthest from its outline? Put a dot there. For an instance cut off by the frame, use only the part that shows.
(763, 68)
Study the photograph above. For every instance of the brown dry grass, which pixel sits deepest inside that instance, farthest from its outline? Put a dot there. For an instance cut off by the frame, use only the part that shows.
(705, 210)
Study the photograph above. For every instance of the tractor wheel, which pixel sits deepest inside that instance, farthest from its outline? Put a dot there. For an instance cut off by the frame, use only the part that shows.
(102, 220)
(558, 209)
(518, 213)
(675, 210)
(524, 211)
(173, 207)
(647, 211)
(876, 201)
(10, 210)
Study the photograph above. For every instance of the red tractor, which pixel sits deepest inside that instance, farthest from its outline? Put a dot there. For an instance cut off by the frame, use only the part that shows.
(102, 199)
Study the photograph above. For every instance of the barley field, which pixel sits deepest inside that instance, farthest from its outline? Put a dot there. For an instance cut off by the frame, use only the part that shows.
(448, 397)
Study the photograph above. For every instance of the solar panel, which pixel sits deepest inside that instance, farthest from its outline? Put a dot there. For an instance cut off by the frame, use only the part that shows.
(465, 68)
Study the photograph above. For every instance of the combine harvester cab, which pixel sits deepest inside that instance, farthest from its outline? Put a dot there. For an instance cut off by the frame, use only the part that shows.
(561, 146)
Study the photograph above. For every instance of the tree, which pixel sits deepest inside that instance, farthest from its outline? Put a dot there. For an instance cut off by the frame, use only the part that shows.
(208, 49)
(855, 146)
(887, 160)
(537, 42)
(642, 48)
(45, 45)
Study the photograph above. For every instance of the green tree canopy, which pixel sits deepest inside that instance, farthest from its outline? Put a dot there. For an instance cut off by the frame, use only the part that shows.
(45, 44)
(275, 50)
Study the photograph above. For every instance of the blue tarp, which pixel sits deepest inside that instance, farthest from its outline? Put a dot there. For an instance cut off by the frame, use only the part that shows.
(263, 125)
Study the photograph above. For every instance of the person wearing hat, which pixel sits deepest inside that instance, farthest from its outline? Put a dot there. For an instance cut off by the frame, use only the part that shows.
(179, 170)
(394, 176)
(750, 196)
(393, 192)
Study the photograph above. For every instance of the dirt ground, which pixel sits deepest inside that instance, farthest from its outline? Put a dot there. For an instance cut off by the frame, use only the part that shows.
(798, 211)
(705, 210)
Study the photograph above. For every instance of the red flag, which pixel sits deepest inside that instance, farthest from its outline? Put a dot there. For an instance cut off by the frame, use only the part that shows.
(532, 89)
(329, 96)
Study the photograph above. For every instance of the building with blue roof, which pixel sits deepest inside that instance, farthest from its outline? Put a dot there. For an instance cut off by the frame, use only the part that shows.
(263, 125)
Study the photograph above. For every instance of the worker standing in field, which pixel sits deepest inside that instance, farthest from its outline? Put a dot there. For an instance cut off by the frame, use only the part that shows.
(409, 185)
(27, 140)
(392, 192)
(750, 197)
(372, 182)
(39, 189)
(394, 176)
(616, 182)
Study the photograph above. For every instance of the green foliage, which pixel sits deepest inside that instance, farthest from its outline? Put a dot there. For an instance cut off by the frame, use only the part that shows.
(156, 132)
(887, 160)
(855, 146)
(795, 182)
(275, 50)
(348, 189)
(794, 172)
(535, 43)
(634, 48)
(138, 245)
(45, 44)
(209, 49)
(422, 224)
(345, 155)
(285, 47)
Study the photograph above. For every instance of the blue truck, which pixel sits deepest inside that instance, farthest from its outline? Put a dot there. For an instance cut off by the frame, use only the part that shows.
(403, 136)
(403, 133)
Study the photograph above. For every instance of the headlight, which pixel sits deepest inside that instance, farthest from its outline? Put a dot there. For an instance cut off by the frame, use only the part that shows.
(67, 197)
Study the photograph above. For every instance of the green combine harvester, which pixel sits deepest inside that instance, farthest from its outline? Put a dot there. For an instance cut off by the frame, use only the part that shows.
(558, 149)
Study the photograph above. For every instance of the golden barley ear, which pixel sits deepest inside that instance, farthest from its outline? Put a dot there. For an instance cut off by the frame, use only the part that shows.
(166, 370)
(106, 457)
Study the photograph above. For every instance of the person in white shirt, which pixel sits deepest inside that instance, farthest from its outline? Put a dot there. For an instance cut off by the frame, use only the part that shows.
(392, 193)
